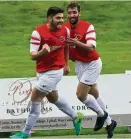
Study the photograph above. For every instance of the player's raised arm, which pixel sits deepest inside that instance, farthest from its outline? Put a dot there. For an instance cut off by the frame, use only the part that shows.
(35, 53)
(90, 38)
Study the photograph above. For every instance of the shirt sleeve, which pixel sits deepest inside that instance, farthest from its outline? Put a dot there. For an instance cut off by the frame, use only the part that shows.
(35, 42)
(91, 36)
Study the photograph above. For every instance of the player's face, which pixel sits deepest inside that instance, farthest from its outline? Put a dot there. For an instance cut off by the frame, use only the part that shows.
(73, 15)
(57, 21)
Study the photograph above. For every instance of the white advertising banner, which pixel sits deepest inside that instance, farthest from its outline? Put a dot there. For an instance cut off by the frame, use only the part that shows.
(15, 95)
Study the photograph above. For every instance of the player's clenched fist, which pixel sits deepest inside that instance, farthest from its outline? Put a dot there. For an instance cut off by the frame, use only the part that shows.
(46, 48)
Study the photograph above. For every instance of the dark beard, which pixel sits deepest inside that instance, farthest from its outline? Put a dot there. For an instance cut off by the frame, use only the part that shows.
(73, 23)
(53, 26)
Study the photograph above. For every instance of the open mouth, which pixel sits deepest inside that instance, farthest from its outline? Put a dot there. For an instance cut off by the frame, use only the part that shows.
(72, 19)
(59, 25)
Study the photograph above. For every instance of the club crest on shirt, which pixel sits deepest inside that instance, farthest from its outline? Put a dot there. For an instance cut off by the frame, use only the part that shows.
(62, 38)
(78, 36)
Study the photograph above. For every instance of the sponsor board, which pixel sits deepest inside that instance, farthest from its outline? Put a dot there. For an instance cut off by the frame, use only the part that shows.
(15, 95)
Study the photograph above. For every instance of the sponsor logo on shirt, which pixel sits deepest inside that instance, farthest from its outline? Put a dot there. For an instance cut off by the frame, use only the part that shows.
(55, 47)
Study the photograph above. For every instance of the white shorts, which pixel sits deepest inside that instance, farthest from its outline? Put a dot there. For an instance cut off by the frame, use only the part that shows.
(47, 81)
(89, 72)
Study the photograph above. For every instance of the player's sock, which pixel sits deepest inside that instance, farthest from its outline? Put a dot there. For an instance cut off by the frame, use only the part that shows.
(91, 103)
(33, 116)
(101, 103)
(66, 108)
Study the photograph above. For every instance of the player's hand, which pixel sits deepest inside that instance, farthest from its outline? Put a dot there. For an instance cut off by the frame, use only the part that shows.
(46, 48)
(66, 70)
(73, 42)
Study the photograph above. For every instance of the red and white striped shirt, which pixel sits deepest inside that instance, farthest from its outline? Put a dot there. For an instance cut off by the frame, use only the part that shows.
(56, 58)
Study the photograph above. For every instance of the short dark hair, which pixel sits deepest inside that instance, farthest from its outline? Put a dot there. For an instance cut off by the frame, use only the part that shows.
(73, 5)
(54, 10)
